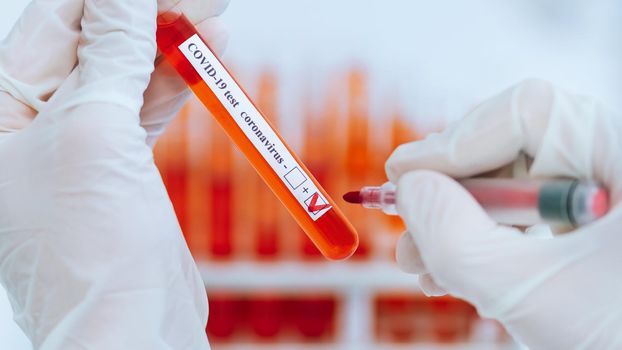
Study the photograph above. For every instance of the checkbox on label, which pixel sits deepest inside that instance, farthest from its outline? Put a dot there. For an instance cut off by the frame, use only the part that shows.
(295, 178)
(316, 203)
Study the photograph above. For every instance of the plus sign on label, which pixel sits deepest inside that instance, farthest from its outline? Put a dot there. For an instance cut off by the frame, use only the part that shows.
(254, 126)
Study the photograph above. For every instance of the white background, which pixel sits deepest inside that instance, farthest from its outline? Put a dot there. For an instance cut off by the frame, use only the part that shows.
(444, 56)
(439, 56)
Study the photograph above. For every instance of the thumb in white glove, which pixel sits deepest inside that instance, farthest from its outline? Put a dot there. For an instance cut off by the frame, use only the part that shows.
(51, 28)
(558, 293)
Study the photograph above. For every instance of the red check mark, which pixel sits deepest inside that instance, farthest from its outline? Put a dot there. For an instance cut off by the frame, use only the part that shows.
(313, 207)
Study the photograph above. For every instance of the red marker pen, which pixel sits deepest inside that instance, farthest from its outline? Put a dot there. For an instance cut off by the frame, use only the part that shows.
(514, 201)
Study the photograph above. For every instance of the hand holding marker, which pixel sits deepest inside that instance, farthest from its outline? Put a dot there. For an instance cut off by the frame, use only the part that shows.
(514, 202)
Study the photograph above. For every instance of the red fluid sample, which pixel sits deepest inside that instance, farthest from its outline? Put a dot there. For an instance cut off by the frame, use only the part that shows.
(221, 229)
(176, 169)
(394, 317)
(334, 236)
(224, 317)
(318, 165)
(316, 317)
(268, 242)
(266, 316)
(221, 194)
(358, 155)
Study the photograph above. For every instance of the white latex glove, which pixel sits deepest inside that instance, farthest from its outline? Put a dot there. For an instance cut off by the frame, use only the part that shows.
(560, 293)
(91, 253)
(46, 38)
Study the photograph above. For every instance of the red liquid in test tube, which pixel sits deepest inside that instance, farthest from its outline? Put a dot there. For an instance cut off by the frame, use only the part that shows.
(268, 243)
(224, 317)
(284, 173)
(221, 194)
(316, 317)
(266, 315)
(357, 155)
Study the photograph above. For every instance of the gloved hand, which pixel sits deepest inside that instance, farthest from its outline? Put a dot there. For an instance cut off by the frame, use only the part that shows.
(91, 253)
(558, 293)
(52, 29)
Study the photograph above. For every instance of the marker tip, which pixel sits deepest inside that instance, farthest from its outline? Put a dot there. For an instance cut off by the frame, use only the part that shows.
(353, 197)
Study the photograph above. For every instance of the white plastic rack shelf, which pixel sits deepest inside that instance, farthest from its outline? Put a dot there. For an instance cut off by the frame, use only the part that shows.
(356, 283)
(295, 276)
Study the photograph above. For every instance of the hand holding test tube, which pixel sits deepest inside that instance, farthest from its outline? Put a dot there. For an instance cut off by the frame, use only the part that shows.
(88, 231)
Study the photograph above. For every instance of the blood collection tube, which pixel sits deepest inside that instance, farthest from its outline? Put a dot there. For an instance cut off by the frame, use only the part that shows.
(266, 315)
(358, 151)
(315, 316)
(282, 171)
(268, 243)
(513, 201)
(221, 195)
(224, 319)
(320, 167)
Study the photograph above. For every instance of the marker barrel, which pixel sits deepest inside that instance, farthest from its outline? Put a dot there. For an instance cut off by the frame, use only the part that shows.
(528, 202)
(518, 201)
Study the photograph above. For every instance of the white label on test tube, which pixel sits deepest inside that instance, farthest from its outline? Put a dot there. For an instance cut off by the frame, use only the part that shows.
(254, 126)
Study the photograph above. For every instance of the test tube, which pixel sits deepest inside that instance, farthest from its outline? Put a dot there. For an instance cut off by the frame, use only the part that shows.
(314, 127)
(268, 243)
(358, 151)
(176, 168)
(275, 162)
(221, 196)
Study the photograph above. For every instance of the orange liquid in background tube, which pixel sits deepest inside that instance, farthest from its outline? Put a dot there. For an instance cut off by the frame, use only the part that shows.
(333, 235)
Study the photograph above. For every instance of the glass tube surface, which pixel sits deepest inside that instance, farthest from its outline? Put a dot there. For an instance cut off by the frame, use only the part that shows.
(331, 232)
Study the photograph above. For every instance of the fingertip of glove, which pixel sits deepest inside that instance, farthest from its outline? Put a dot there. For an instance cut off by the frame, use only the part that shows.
(429, 287)
(416, 155)
(215, 32)
(393, 167)
(417, 186)
(535, 88)
(198, 11)
(407, 255)
(432, 202)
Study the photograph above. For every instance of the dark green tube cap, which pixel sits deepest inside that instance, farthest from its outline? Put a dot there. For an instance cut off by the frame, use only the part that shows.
(555, 201)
